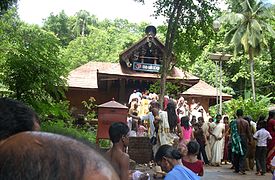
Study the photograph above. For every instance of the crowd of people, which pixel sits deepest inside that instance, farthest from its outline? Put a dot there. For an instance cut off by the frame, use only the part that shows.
(202, 139)
(187, 139)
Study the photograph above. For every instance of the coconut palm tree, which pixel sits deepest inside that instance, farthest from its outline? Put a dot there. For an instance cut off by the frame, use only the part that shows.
(249, 29)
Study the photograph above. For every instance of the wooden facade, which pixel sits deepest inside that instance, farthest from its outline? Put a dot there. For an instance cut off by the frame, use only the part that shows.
(138, 67)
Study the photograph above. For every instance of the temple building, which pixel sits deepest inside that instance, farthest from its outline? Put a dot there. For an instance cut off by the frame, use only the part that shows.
(138, 68)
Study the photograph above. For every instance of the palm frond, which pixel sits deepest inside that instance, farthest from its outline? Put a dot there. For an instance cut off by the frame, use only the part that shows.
(245, 39)
(232, 18)
(246, 6)
(229, 35)
(269, 29)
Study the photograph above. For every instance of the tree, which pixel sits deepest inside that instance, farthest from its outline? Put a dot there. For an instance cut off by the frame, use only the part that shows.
(106, 40)
(60, 25)
(30, 64)
(248, 31)
(6, 5)
(185, 17)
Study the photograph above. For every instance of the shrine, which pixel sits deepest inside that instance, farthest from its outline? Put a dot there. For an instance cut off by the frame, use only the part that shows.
(138, 68)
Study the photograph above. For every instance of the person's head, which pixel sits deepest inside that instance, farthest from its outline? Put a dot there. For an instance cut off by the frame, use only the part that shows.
(154, 104)
(41, 156)
(193, 147)
(118, 133)
(193, 101)
(193, 120)
(261, 124)
(182, 149)
(200, 121)
(210, 119)
(225, 120)
(271, 115)
(248, 119)
(16, 117)
(165, 157)
(185, 122)
(196, 126)
(218, 118)
(155, 111)
(239, 113)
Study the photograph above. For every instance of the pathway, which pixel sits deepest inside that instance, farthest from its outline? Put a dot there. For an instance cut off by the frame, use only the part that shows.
(225, 173)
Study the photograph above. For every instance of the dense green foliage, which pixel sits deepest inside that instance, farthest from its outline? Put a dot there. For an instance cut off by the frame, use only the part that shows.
(31, 68)
(248, 28)
(250, 108)
(6, 4)
(171, 88)
(59, 127)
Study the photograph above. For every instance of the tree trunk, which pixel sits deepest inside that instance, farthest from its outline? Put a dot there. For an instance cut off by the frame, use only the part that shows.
(83, 28)
(169, 42)
(251, 60)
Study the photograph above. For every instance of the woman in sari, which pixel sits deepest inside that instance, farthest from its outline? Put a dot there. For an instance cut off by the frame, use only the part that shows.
(218, 142)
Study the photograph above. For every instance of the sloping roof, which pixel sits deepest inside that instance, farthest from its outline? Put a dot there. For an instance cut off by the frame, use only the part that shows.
(204, 89)
(117, 69)
(85, 76)
(113, 104)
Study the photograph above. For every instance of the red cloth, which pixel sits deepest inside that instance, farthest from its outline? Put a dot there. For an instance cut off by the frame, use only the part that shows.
(270, 125)
(226, 139)
(196, 167)
(270, 143)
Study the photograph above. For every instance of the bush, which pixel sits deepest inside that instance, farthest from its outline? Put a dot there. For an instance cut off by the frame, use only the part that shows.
(63, 128)
(251, 108)
(60, 127)
(172, 89)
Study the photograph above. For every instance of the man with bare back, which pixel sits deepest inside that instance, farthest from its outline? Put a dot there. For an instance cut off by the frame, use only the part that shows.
(119, 135)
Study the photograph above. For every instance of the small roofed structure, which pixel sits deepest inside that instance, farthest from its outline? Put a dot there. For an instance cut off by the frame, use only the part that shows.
(203, 93)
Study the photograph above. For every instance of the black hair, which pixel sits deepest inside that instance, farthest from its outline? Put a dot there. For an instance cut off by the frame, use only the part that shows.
(218, 115)
(117, 130)
(167, 151)
(239, 112)
(248, 119)
(200, 118)
(193, 147)
(47, 156)
(226, 117)
(15, 117)
(271, 114)
(185, 122)
(196, 124)
(172, 116)
(261, 124)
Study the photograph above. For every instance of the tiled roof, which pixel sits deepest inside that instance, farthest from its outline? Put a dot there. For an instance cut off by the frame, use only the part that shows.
(85, 76)
(204, 89)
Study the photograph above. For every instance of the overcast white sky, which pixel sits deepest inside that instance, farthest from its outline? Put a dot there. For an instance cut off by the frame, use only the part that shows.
(34, 11)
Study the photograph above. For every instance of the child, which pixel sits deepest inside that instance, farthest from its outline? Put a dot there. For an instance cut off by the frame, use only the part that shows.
(141, 130)
(201, 139)
(261, 149)
(191, 161)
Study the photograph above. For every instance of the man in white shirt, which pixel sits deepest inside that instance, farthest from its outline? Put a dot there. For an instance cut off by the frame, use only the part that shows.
(262, 135)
